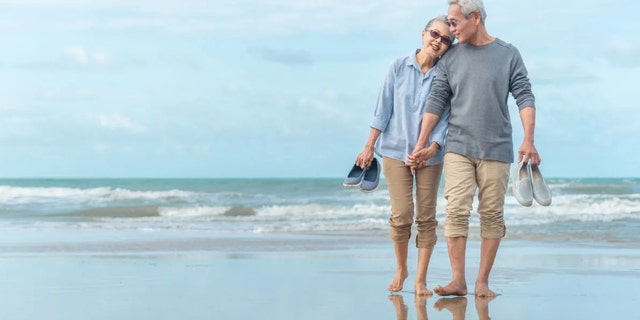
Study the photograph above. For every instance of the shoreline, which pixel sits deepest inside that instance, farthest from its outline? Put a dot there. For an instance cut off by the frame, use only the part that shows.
(57, 241)
(311, 276)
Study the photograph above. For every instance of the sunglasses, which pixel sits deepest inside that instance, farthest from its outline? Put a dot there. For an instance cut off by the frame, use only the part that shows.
(444, 39)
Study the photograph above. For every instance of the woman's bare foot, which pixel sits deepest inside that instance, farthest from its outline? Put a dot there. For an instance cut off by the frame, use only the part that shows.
(421, 289)
(398, 281)
(452, 289)
(482, 291)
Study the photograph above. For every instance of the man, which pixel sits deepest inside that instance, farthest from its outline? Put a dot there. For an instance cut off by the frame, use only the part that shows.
(475, 77)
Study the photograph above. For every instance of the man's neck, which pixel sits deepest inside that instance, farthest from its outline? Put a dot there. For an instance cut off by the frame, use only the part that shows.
(482, 37)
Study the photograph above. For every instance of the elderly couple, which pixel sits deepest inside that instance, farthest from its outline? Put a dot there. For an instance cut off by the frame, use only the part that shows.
(461, 95)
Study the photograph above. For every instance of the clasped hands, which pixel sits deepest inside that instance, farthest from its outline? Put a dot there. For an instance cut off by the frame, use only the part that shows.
(418, 157)
(415, 160)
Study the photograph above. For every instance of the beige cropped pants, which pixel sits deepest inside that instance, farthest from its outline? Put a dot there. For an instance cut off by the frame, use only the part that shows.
(400, 184)
(463, 176)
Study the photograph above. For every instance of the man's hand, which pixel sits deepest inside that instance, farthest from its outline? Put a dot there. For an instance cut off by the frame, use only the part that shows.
(529, 153)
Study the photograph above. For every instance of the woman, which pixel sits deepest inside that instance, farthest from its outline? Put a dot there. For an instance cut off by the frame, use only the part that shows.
(393, 136)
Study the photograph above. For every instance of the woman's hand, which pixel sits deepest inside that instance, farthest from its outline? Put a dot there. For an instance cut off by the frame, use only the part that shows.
(420, 155)
(363, 160)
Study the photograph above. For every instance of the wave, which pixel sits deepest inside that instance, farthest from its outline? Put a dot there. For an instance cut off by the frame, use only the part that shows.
(330, 208)
(10, 195)
(241, 213)
(595, 186)
(117, 212)
(566, 207)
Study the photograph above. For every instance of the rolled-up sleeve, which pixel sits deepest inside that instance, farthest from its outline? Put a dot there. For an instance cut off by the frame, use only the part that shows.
(384, 106)
(440, 93)
(520, 86)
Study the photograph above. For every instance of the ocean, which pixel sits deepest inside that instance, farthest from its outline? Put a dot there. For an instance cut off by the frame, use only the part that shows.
(583, 210)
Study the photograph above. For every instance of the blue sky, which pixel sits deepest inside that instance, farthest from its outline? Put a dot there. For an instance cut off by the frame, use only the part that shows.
(283, 88)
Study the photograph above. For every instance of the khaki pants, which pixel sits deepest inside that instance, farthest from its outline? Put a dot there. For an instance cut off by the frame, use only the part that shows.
(400, 185)
(462, 177)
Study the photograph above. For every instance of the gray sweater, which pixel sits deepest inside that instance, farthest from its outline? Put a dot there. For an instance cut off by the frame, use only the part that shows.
(477, 80)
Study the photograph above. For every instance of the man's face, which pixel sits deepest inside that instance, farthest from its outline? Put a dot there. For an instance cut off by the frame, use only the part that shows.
(461, 27)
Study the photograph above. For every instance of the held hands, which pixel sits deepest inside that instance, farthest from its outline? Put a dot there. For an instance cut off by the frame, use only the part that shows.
(414, 160)
(420, 155)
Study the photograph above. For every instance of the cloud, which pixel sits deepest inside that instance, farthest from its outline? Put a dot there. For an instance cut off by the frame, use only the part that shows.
(117, 121)
(623, 52)
(243, 17)
(554, 70)
(289, 57)
(84, 57)
(15, 127)
(101, 148)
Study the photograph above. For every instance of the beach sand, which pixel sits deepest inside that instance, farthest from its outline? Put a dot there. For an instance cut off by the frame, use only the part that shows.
(300, 276)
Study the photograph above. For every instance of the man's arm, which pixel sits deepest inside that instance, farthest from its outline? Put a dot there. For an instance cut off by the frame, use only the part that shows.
(528, 150)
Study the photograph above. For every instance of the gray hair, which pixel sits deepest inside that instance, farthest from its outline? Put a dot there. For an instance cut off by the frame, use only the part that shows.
(470, 6)
(443, 19)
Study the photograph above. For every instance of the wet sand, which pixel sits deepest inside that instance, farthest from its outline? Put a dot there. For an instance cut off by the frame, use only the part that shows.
(267, 276)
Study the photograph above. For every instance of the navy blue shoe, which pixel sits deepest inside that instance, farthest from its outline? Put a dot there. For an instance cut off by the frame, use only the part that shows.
(371, 177)
(354, 178)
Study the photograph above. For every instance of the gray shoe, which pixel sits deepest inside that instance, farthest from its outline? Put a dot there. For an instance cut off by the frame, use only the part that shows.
(541, 191)
(371, 177)
(521, 182)
(354, 178)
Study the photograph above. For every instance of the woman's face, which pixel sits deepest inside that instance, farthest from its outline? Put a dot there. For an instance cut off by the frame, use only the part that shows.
(436, 39)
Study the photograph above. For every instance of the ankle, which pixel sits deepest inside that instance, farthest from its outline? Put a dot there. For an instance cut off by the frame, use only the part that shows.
(482, 283)
(459, 280)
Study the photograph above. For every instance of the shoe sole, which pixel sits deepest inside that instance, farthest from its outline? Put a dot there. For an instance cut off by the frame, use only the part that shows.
(368, 191)
(351, 185)
(516, 177)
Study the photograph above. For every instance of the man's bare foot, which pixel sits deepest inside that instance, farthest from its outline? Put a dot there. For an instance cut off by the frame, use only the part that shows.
(482, 291)
(457, 306)
(452, 289)
(421, 289)
(398, 281)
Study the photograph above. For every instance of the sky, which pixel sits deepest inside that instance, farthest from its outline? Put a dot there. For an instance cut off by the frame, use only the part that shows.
(284, 88)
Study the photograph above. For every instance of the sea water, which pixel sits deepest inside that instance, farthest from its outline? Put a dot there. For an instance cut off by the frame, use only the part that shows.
(601, 210)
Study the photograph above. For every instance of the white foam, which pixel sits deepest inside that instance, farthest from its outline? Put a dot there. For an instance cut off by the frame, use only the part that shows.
(32, 195)
(347, 210)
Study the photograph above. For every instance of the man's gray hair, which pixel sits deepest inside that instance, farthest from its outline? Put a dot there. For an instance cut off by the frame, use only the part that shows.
(470, 6)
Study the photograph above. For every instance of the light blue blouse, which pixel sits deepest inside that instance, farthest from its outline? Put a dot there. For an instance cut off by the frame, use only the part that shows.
(398, 113)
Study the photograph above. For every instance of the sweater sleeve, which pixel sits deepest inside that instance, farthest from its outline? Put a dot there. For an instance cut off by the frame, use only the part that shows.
(384, 106)
(519, 83)
(440, 95)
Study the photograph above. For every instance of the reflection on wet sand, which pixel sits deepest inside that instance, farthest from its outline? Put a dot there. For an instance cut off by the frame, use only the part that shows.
(457, 306)
(398, 304)
(482, 307)
(401, 307)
